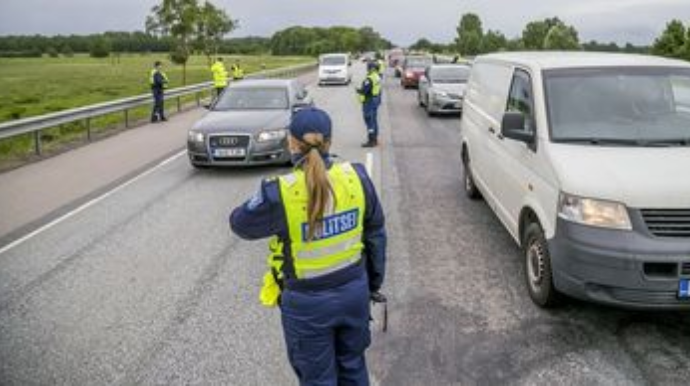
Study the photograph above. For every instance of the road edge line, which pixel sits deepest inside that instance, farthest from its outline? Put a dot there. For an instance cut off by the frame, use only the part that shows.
(91, 202)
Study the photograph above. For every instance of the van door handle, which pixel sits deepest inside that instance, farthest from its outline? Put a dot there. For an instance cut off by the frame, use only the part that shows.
(492, 130)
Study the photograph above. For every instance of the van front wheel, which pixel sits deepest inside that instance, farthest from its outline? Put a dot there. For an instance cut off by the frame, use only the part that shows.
(537, 268)
(471, 190)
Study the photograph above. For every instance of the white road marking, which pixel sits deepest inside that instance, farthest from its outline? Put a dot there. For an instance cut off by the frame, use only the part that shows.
(370, 164)
(91, 202)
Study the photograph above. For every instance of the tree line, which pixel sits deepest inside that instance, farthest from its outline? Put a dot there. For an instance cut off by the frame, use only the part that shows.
(551, 34)
(116, 42)
(315, 41)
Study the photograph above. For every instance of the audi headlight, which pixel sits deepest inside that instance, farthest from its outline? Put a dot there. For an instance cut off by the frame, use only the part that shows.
(593, 212)
(271, 135)
(195, 136)
(440, 94)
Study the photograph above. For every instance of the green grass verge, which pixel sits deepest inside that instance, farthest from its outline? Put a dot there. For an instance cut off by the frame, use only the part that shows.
(36, 86)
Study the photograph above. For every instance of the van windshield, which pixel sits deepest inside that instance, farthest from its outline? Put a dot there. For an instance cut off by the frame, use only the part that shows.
(632, 106)
(334, 60)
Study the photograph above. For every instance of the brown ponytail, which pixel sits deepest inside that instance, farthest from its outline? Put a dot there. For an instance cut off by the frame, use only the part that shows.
(319, 189)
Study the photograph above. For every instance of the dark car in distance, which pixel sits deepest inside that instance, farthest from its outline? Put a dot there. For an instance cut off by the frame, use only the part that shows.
(247, 124)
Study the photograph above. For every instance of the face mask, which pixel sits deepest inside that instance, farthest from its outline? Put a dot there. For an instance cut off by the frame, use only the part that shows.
(296, 158)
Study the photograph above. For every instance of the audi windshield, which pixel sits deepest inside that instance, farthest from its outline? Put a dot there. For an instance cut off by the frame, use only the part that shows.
(238, 98)
(639, 106)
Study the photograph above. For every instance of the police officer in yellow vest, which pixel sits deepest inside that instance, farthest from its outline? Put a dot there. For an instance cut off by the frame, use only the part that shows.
(370, 96)
(220, 76)
(328, 251)
(237, 71)
(158, 82)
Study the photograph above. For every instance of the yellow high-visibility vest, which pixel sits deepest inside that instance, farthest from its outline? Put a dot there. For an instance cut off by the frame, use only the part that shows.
(220, 75)
(338, 242)
(375, 80)
(237, 72)
(336, 245)
(153, 74)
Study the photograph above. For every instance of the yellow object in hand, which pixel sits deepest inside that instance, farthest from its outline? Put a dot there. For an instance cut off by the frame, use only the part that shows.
(270, 292)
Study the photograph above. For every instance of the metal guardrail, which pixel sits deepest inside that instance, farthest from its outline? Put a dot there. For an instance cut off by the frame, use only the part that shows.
(36, 124)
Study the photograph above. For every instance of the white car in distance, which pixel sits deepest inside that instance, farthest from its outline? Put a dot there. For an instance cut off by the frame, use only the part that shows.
(334, 69)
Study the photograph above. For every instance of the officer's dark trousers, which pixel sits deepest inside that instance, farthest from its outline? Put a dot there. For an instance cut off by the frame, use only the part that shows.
(370, 112)
(327, 332)
(158, 110)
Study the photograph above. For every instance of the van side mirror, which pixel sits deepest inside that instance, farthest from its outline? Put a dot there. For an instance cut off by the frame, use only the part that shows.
(513, 127)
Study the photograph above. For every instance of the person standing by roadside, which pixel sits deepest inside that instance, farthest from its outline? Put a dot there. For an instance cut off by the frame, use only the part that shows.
(220, 76)
(237, 71)
(370, 96)
(159, 82)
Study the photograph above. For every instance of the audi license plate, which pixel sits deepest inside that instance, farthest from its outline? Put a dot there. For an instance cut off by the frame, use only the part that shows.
(229, 153)
(684, 289)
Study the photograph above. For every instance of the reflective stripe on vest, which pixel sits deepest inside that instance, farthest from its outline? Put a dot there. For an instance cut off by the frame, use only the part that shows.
(338, 243)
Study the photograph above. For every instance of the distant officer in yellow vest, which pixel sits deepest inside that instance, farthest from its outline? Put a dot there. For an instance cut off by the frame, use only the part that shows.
(370, 96)
(328, 252)
(237, 71)
(220, 76)
(158, 82)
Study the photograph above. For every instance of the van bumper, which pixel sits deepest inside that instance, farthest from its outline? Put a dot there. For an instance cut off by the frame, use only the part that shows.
(628, 269)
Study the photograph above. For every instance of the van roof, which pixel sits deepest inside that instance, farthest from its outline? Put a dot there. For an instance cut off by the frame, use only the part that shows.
(578, 59)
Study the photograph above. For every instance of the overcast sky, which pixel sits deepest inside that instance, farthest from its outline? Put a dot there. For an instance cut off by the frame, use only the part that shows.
(402, 21)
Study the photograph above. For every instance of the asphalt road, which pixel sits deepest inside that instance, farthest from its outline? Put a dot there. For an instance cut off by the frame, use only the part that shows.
(148, 286)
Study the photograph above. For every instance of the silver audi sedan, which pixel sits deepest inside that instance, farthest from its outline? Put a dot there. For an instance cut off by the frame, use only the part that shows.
(247, 124)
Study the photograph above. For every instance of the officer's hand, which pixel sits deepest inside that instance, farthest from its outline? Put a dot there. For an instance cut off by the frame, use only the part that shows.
(378, 297)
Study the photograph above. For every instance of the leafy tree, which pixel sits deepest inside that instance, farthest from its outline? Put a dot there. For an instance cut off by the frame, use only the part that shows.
(470, 34)
(211, 26)
(672, 41)
(67, 51)
(315, 41)
(535, 32)
(422, 44)
(493, 41)
(177, 19)
(561, 37)
(52, 52)
(686, 47)
(100, 48)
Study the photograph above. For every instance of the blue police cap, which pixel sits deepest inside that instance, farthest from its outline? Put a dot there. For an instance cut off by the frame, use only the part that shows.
(372, 65)
(310, 120)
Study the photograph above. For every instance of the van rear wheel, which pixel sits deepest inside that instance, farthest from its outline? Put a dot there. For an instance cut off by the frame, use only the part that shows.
(471, 190)
(537, 268)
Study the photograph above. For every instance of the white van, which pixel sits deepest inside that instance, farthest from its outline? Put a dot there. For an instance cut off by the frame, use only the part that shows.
(334, 69)
(585, 158)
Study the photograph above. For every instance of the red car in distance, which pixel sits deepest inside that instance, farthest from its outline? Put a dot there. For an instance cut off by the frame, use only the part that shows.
(413, 68)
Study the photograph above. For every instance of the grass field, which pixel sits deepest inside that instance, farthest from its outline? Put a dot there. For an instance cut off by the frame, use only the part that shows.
(36, 86)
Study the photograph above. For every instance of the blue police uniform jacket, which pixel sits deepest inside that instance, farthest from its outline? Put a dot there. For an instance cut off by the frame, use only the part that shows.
(264, 216)
(158, 82)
